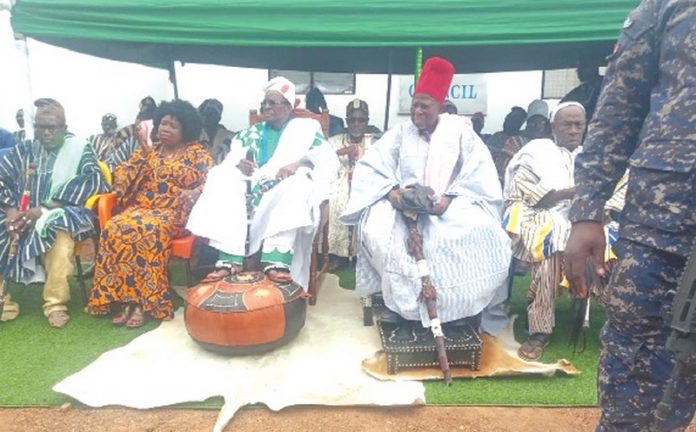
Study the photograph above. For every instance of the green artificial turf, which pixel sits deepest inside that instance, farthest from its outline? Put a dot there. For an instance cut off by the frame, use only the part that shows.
(35, 357)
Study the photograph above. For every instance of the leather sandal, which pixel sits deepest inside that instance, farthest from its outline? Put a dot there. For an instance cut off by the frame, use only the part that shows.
(137, 318)
(222, 270)
(121, 318)
(277, 273)
(533, 348)
(58, 319)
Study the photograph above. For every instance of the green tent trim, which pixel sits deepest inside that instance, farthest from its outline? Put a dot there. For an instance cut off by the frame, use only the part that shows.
(329, 35)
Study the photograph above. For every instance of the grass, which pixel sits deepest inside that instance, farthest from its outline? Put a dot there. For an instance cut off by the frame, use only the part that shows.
(35, 357)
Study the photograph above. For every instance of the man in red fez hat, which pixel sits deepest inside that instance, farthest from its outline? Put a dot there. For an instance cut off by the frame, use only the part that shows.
(468, 252)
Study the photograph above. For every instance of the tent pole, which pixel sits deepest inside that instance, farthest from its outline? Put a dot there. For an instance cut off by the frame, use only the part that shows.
(172, 74)
(172, 79)
(387, 106)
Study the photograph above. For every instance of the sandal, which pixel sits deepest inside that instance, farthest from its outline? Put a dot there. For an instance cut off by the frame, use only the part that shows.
(277, 273)
(137, 318)
(533, 348)
(121, 318)
(58, 319)
(222, 270)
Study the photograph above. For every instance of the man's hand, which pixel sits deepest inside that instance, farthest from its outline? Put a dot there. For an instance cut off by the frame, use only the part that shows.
(247, 167)
(11, 214)
(287, 171)
(554, 197)
(352, 151)
(17, 222)
(441, 206)
(394, 197)
(586, 241)
(143, 131)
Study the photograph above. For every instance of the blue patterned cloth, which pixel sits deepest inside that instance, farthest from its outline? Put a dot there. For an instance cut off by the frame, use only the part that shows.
(75, 219)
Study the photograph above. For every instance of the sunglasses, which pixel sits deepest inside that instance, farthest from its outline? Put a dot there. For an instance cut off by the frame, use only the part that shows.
(356, 120)
(272, 103)
(49, 128)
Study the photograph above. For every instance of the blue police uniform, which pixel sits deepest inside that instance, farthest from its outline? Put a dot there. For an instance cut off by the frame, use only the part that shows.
(646, 121)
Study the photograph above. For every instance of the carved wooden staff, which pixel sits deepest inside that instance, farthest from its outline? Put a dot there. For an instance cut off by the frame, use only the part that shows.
(428, 293)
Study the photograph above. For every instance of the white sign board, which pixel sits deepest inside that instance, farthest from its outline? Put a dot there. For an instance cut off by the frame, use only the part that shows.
(468, 92)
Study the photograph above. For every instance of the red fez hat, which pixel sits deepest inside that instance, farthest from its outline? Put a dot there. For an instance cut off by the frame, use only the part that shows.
(435, 79)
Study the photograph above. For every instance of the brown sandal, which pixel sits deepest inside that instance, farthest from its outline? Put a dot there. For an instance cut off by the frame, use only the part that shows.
(278, 274)
(137, 318)
(121, 318)
(533, 348)
(58, 319)
(222, 270)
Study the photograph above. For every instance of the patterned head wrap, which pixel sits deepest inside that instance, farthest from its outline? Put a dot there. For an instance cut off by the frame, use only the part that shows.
(283, 86)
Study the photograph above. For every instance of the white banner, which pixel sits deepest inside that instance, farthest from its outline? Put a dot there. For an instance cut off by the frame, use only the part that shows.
(468, 92)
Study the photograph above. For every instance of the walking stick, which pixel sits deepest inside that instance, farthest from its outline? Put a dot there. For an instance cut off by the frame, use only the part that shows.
(252, 196)
(428, 293)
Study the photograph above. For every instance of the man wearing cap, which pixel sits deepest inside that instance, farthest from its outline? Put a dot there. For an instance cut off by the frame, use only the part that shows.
(104, 143)
(539, 186)
(467, 250)
(279, 171)
(349, 147)
(214, 136)
(538, 126)
(43, 187)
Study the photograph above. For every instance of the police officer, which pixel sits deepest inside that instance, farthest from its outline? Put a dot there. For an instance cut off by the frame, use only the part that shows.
(645, 119)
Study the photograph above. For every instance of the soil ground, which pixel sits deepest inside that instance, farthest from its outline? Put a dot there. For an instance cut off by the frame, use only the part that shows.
(310, 419)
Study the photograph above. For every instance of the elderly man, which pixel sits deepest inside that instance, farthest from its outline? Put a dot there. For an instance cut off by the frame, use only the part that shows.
(214, 136)
(538, 188)
(105, 142)
(279, 171)
(468, 252)
(349, 147)
(43, 187)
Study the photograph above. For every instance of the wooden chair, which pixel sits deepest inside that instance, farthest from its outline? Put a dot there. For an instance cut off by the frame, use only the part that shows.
(316, 273)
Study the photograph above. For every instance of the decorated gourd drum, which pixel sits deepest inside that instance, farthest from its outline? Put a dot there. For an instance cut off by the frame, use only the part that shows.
(245, 313)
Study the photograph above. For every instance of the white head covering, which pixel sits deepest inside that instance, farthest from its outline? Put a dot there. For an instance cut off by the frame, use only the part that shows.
(562, 105)
(284, 87)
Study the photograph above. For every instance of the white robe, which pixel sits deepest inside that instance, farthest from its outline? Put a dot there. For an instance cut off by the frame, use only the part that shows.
(467, 250)
(291, 206)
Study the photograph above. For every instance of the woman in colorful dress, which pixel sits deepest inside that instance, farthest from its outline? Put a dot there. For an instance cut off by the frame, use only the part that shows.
(155, 189)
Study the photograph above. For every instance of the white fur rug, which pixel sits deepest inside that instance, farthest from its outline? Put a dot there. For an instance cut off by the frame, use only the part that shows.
(322, 366)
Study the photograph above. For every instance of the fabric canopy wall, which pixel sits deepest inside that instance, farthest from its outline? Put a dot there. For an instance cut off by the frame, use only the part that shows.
(330, 35)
